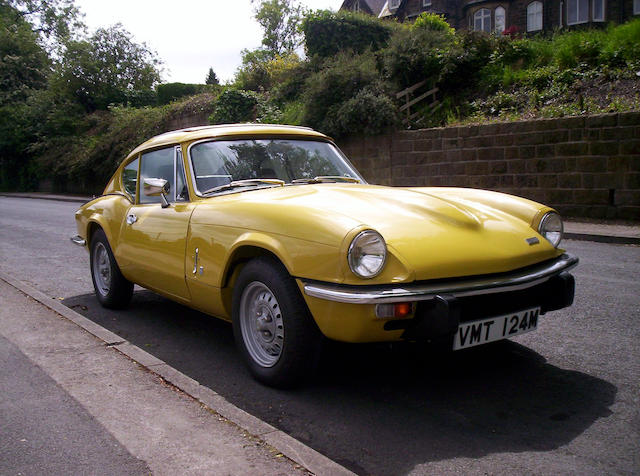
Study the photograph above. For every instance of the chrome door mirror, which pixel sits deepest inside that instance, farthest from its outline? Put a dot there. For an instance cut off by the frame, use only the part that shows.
(157, 187)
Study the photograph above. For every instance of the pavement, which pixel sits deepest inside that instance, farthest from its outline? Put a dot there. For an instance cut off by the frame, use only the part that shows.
(78, 399)
(601, 231)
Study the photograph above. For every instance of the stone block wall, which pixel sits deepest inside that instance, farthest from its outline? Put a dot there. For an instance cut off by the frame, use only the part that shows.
(583, 166)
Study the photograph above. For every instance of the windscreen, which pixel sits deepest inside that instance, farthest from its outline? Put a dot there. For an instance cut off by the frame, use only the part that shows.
(218, 163)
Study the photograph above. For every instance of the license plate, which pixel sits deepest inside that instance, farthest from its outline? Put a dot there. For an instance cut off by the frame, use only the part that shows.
(483, 331)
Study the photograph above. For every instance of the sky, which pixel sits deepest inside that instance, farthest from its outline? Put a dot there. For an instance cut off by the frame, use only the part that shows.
(189, 36)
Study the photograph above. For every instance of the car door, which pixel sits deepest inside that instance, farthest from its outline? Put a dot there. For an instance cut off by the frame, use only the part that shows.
(152, 243)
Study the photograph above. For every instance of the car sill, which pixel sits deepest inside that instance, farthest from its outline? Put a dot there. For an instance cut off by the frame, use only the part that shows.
(497, 283)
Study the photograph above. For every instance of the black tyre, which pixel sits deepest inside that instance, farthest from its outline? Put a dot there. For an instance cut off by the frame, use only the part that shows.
(272, 326)
(112, 289)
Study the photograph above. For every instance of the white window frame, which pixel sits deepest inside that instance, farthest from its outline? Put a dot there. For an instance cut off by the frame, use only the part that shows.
(504, 19)
(393, 4)
(484, 15)
(426, 3)
(579, 11)
(593, 10)
(356, 6)
(636, 7)
(535, 12)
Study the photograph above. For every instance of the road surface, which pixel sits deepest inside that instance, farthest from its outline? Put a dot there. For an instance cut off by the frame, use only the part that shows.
(563, 399)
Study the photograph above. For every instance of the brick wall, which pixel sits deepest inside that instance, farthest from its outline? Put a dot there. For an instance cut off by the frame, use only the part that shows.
(583, 166)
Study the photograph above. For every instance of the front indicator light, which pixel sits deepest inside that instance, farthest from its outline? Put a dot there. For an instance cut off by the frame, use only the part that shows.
(367, 254)
(551, 228)
(397, 310)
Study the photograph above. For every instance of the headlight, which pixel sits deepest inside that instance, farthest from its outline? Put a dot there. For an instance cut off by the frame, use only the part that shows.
(367, 254)
(551, 228)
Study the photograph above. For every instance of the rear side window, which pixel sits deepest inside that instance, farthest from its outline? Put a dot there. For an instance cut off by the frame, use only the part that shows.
(130, 178)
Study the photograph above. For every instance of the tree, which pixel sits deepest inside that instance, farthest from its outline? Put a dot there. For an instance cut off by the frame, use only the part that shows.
(24, 64)
(24, 67)
(212, 78)
(105, 68)
(54, 21)
(280, 20)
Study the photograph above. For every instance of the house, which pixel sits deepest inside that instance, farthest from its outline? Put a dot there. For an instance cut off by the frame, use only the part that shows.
(522, 16)
(370, 7)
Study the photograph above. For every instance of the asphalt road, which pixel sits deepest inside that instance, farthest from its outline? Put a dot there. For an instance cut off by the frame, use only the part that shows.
(564, 399)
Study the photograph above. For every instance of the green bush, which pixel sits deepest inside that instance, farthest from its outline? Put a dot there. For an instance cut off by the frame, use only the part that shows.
(141, 98)
(170, 91)
(415, 55)
(432, 22)
(574, 48)
(339, 80)
(463, 61)
(369, 112)
(519, 52)
(235, 105)
(327, 33)
(622, 44)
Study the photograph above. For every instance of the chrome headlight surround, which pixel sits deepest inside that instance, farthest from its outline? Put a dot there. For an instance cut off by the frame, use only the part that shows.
(367, 254)
(551, 228)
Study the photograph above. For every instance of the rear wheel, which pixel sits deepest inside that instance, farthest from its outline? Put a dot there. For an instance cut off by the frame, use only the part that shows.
(272, 326)
(112, 289)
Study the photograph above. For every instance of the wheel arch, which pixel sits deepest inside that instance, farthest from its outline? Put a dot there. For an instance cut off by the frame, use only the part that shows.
(239, 256)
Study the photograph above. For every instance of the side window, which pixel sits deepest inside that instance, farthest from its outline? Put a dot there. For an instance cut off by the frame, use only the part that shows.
(158, 164)
(130, 178)
(182, 191)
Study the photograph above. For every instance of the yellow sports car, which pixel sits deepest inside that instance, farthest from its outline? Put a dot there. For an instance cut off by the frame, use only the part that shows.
(271, 228)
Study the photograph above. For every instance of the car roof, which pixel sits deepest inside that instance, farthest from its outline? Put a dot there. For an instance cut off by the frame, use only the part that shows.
(204, 132)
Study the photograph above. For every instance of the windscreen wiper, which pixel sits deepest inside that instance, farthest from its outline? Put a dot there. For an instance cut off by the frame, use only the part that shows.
(244, 183)
(327, 179)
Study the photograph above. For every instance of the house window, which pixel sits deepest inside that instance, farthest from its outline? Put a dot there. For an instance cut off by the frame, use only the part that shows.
(482, 20)
(356, 6)
(636, 7)
(577, 11)
(394, 3)
(426, 3)
(534, 16)
(597, 13)
(500, 19)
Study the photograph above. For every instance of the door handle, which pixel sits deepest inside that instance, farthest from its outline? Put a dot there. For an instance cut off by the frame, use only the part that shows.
(131, 219)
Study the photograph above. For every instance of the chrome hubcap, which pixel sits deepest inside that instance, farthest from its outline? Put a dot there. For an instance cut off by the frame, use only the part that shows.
(101, 269)
(261, 324)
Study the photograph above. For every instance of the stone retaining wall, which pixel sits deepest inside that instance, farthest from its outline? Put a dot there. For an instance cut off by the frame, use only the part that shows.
(583, 166)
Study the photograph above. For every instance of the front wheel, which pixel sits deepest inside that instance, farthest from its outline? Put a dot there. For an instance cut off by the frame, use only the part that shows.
(112, 289)
(272, 326)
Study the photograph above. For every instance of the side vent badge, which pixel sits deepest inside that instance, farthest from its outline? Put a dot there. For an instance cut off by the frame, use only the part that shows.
(532, 241)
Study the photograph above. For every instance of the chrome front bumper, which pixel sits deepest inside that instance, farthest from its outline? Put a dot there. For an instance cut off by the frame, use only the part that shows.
(496, 283)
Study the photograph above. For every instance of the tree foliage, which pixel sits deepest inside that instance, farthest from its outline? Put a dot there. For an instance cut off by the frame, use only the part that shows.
(280, 21)
(54, 21)
(24, 64)
(101, 70)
